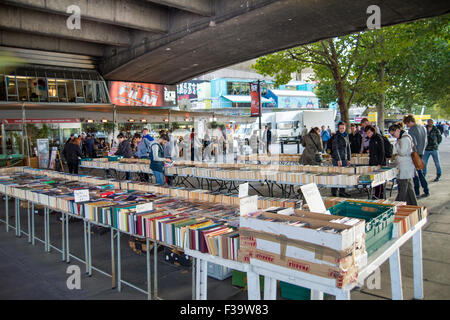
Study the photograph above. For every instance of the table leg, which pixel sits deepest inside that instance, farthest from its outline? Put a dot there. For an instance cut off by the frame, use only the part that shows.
(149, 271)
(32, 224)
(48, 230)
(193, 277)
(417, 264)
(67, 239)
(17, 215)
(29, 221)
(85, 246)
(113, 261)
(202, 279)
(155, 266)
(63, 239)
(270, 288)
(89, 250)
(316, 295)
(396, 275)
(254, 292)
(119, 279)
(45, 229)
(7, 212)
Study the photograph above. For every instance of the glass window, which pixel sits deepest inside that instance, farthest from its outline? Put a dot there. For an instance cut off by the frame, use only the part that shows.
(11, 86)
(42, 89)
(62, 90)
(24, 93)
(2, 88)
(52, 90)
(79, 91)
(71, 91)
(88, 91)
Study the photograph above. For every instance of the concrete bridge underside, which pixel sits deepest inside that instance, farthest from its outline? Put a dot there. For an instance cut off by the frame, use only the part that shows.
(168, 41)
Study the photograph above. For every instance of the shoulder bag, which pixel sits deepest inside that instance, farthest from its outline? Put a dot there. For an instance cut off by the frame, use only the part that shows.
(416, 158)
(317, 155)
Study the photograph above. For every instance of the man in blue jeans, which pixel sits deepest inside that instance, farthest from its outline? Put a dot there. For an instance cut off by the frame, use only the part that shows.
(434, 138)
(157, 158)
(419, 137)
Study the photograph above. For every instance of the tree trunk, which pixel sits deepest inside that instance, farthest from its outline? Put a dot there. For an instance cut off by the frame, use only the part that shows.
(380, 105)
(342, 102)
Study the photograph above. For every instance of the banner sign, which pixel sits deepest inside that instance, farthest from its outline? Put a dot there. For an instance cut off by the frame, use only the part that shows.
(255, 96)
(27, 121)
(142, 94)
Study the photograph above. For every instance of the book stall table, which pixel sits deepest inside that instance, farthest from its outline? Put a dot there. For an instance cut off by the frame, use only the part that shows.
(146, 171)
(65, 250)
(318, 285)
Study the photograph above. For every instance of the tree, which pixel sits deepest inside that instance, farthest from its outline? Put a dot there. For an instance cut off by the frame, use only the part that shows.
(337, 63)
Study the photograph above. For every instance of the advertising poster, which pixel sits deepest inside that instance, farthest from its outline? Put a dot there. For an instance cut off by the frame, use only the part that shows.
(43, 153)
(135, 94)
(255, 99)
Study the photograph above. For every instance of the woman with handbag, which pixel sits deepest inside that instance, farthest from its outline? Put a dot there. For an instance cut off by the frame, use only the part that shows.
(405, 165)
(312, 155)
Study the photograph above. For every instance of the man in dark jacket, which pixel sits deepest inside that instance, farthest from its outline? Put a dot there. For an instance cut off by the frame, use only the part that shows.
(377, 155)
(419, 137)
(124, 150)
(355, 139)
(72, 153)
(434, 138)
(340, 153)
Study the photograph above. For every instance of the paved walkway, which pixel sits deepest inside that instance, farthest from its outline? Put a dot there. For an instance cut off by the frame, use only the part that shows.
(27, 272)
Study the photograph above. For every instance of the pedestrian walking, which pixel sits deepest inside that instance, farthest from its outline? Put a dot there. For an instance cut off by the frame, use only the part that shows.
(124, 150)
(377, 156)
(312, 155)
(405, 165)
(419, 136)
(157, 158)
(326, 136)
(445, 127)
(72, 154)
(434, 138)
(340, 154)
(267, 139)
(355, 139)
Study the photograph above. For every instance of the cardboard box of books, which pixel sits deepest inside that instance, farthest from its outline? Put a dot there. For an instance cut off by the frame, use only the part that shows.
(342, 277)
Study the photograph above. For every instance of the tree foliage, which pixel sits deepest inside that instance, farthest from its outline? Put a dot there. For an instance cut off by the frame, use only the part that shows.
(404, 66)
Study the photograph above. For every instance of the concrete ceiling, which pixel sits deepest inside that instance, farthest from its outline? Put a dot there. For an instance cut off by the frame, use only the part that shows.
(168, 41)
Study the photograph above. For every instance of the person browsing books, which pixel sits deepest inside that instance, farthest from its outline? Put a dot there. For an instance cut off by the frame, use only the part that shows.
(157, 158)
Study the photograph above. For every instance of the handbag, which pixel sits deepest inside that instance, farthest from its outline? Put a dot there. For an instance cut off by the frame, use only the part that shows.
(317, 155)
(416, 158)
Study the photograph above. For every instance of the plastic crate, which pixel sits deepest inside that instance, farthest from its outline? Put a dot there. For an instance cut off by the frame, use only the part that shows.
(114, 158)
(293, 292)
(379, 221)
(239, 279)
(218, 272)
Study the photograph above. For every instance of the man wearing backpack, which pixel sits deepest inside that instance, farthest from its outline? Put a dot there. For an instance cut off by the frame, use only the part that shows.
(377, 155)
(143, 149)
(434, 138)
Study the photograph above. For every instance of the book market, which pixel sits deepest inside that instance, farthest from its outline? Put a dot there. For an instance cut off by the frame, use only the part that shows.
(224, 159)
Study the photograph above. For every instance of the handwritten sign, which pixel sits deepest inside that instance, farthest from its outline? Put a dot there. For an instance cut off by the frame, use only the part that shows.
(81, 195)
(248, 205)
(144, 207)
(313, 198)
(243, 190)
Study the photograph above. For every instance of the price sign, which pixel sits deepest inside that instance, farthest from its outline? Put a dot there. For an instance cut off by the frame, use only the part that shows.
(248, 205)
(243, 190)
(313, 198)
(81, 195)
(144, 207)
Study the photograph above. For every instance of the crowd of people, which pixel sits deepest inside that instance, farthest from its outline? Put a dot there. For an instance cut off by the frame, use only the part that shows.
(367, 138)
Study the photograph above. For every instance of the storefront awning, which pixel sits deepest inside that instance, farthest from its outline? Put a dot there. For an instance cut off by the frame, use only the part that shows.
(243, 99)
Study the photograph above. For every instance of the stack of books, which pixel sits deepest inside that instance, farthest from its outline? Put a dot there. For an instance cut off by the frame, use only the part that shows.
(328, 246)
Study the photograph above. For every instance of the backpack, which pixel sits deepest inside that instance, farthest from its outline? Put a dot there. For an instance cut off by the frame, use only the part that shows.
(330, 143)
(387, 147)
